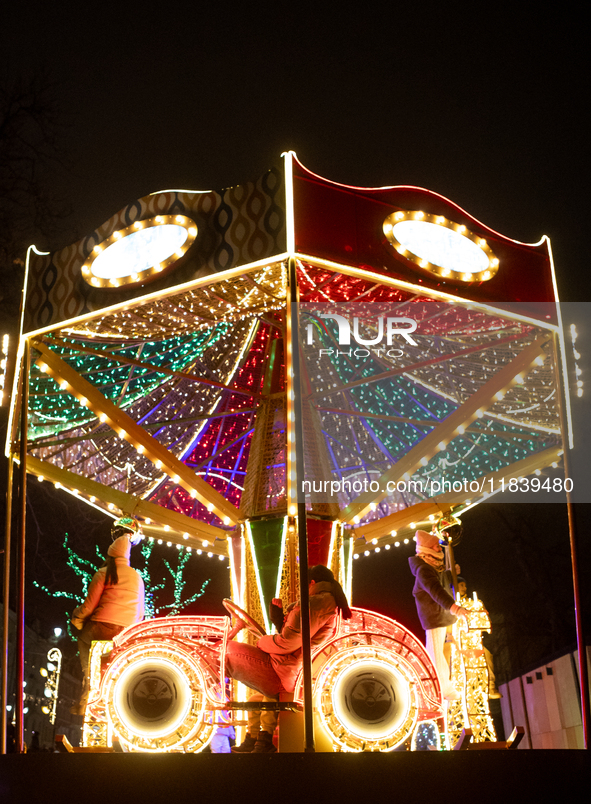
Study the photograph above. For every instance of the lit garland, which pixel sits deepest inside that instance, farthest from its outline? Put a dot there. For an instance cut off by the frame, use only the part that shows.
(577, 357)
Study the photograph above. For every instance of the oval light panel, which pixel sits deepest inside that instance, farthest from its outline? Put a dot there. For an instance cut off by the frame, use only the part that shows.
(140, 252)
(440, 246)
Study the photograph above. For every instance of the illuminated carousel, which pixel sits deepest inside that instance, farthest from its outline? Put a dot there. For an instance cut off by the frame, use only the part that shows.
(233, 367)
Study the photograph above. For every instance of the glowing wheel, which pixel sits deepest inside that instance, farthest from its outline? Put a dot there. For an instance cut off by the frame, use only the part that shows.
(155, 697)
(251, 624)
(367, 699)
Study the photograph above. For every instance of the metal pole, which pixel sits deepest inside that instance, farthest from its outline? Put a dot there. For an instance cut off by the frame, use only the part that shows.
(7, 558)
(582, 649)
(583, 674)
(301, 513)
(452, 566)
(20, 607)
(6, 605)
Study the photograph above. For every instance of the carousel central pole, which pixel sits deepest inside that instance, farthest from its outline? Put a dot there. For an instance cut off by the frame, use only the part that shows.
(298, 431)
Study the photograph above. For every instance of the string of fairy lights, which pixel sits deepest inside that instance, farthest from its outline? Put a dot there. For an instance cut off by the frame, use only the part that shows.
(221, 448)
(376, 548)
(117, 382)
(577, 357)
(170, 410)
(371, 420)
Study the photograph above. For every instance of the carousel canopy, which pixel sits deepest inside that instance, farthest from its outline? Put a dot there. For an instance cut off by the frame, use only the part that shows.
(161, 376)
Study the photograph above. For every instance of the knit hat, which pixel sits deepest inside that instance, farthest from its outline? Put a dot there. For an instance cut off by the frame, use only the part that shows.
(121, 547)
(427, 543)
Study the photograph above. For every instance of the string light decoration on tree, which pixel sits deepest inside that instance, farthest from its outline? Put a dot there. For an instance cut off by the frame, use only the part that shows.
(426, 737)
(155, 592)
(177, 574)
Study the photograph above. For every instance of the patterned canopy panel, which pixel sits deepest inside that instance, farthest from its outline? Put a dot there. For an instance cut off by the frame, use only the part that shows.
(375, 407)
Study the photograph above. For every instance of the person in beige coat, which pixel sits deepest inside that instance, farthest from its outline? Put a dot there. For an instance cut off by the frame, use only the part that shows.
(115, 597)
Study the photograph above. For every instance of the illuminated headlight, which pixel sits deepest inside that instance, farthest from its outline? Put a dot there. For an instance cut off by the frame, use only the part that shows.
(155, 697)
(367, 699)
(152, 698)
(371, 699)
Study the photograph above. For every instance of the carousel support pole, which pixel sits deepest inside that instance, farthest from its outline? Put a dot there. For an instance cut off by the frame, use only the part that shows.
(7, 553)
(6, 606)
(452, 565)
(582, 649)
(301, 512)
(20, 607)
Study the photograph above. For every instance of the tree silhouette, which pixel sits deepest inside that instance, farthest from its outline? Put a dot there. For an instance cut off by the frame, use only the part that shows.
(32, 152)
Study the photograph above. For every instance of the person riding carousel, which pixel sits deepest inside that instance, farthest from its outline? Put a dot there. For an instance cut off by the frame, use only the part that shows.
(273, 665)
(115, 597)
(435, 607)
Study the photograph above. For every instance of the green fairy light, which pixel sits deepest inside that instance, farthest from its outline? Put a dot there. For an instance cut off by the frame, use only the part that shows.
(155, 593)
(51, 408)
(178, 578)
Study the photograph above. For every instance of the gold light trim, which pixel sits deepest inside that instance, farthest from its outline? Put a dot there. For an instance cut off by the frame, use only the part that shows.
(443, 272)
(149, 273)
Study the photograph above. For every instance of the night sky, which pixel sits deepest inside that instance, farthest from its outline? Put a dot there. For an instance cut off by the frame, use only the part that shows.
(483, 106)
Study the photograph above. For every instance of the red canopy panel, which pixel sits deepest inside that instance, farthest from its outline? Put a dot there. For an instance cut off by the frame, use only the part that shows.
(345, 225)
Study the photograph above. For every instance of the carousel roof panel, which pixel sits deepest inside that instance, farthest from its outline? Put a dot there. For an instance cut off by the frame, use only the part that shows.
(345, 225)
(197, 369)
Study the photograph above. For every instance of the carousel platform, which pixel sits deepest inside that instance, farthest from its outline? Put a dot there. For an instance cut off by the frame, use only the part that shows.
(484, 776)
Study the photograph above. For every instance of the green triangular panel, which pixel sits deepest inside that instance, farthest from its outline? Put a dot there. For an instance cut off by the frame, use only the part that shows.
(266, 538)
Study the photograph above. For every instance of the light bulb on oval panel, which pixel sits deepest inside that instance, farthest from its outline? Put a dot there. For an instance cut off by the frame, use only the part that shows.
(140, 252)
(440, 246)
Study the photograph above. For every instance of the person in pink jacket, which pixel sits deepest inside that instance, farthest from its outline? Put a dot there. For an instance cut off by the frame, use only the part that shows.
(273, 665)
(115, 596)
